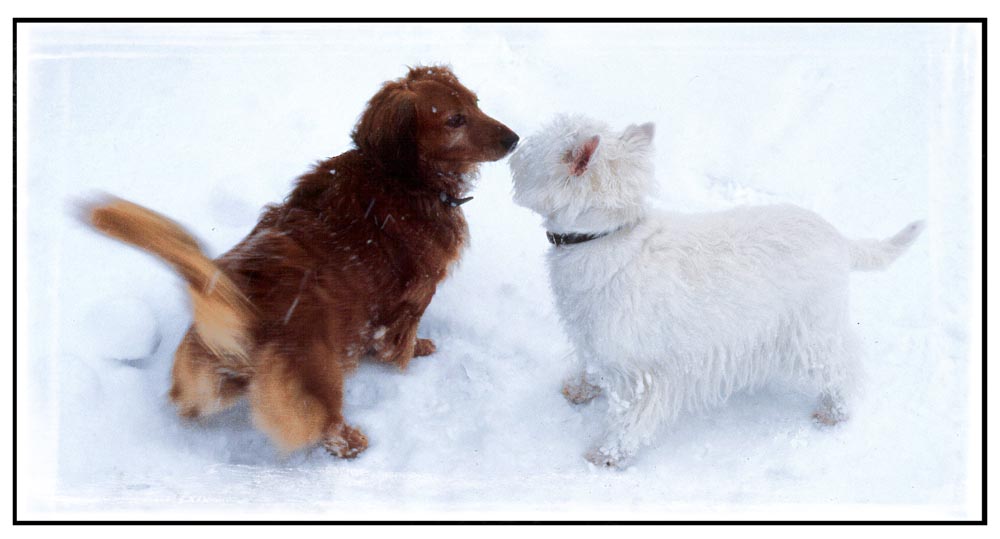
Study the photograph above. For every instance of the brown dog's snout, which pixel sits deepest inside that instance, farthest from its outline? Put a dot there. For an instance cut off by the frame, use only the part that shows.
(509, 140)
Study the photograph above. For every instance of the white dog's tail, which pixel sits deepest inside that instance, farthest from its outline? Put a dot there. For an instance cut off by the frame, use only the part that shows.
(870, 255)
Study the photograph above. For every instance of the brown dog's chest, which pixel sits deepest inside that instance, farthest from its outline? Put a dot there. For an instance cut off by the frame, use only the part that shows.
(396, 257)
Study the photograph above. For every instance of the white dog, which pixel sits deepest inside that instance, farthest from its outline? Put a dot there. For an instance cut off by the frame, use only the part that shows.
(670, 311)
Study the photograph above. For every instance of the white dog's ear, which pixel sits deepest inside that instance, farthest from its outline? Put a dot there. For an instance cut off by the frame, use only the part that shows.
(640, 135)
(578, 158)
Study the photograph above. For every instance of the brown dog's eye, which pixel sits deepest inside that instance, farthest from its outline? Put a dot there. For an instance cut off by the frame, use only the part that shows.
(455, 120)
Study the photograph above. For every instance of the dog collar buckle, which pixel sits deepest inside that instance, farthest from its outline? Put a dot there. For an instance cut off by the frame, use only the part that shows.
(452, 201)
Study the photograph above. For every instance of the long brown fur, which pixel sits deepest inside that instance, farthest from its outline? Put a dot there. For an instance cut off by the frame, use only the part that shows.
(342, 270)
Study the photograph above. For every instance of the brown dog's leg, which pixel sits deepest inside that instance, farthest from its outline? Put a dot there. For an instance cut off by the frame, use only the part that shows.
(281, 405)
(201, 386)
(344, 441)
(401, 343)
(298, 403)
(424, 347)
(339, 439)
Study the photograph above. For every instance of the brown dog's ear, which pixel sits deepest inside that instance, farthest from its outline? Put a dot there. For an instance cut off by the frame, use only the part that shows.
(579, 158)
(387, 130)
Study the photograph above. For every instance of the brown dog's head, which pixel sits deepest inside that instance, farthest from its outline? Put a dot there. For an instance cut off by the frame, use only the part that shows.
(427, 121)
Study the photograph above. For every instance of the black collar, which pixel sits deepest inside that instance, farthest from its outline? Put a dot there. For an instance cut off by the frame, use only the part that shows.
(570, 239)
(452, 201)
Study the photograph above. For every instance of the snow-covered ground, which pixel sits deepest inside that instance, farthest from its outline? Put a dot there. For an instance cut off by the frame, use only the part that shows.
(872, 126)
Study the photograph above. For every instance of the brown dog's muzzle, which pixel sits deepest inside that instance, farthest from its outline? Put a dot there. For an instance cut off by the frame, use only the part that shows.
(506, 139)
(509, 140)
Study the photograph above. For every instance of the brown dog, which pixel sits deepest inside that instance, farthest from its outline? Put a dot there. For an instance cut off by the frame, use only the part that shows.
(341, 270)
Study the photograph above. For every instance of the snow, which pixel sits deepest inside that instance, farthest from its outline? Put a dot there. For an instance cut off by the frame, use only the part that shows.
(122, 328)
(871, 126)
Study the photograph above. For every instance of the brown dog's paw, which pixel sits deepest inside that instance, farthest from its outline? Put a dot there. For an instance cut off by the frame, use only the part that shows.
(424, 347)
(346, 444)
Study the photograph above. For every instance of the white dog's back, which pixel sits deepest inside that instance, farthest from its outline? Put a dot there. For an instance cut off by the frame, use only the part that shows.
(719, 302)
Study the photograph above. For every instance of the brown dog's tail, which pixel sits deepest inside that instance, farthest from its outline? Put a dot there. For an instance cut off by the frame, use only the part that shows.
(222, 314)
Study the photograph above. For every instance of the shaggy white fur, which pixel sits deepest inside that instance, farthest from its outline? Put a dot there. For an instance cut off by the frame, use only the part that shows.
(671, 311)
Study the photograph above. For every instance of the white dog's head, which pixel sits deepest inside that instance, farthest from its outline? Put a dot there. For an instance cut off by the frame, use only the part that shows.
(582, 177)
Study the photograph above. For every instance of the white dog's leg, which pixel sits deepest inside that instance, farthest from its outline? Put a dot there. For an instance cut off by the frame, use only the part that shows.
(610, 455)
(838, 380)
(578, 388)
(626, 434)
(832, 409)
(638, 406)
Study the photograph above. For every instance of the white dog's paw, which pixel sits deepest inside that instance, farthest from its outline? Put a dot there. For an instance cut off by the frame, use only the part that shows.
(827, 418)
(579, 391)
(830, 412)
(607, 457)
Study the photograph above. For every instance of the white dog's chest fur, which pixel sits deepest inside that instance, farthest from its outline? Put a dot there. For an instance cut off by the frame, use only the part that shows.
(704, 304)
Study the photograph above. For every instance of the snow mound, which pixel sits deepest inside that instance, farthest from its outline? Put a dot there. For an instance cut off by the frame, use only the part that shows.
(122, 328)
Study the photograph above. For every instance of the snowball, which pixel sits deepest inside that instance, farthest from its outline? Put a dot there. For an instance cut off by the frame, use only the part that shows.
(122, 328)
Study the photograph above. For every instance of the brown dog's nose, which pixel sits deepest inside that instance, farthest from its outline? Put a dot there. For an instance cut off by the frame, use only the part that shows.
(509, 140)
